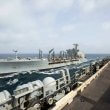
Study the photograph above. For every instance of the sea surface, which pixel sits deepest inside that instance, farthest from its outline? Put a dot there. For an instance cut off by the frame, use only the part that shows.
(88, 56)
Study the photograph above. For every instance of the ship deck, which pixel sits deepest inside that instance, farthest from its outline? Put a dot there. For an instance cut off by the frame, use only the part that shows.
(94, 97)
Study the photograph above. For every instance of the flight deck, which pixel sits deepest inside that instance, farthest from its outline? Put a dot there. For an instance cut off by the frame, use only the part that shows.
(96, 96)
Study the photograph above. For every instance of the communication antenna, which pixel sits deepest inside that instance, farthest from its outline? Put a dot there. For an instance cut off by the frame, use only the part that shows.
(15, 51)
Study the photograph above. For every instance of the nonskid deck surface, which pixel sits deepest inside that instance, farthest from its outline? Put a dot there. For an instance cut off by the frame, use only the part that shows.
(96, 96)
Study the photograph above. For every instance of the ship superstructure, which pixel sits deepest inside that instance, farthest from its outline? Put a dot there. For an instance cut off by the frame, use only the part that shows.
(68, 57)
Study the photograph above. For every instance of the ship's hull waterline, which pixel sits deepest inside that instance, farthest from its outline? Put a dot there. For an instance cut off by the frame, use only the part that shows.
(18, 66)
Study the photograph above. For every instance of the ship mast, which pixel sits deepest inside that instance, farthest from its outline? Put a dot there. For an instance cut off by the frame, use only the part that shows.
(76, 49)
(16, 55)
(40, 54)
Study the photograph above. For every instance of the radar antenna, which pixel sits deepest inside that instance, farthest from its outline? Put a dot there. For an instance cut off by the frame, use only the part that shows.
(76, 46)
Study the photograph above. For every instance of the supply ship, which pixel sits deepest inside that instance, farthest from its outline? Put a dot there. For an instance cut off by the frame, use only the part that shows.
(65, 58)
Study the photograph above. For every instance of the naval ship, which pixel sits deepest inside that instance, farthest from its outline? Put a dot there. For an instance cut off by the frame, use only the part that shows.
(65, 58)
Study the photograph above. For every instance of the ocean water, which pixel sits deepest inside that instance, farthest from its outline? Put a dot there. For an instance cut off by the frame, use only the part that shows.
(94, 56)
(88, 56)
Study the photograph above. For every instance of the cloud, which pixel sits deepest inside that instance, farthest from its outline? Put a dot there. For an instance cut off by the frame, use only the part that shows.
(27, 25)
(106, 26)
(88, 6)
(51, 5)
(68, 28)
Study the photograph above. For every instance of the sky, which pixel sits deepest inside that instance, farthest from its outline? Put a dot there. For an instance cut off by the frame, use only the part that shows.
(30, 25)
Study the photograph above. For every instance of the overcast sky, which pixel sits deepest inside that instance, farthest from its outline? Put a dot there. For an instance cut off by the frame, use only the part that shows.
(29, 25)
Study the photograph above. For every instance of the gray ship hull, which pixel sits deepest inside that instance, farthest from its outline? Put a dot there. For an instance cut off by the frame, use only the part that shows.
(28, 65)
